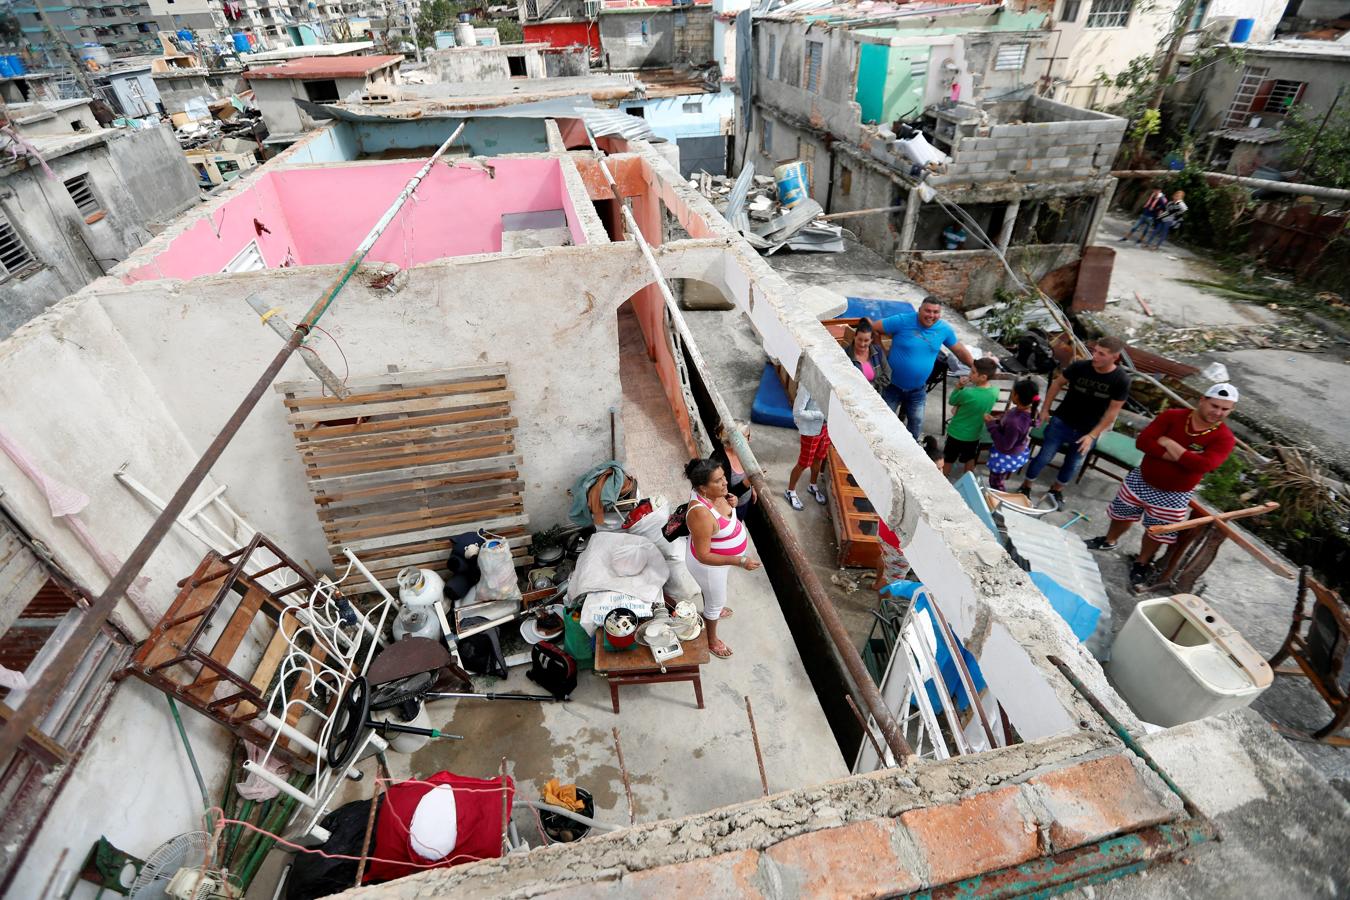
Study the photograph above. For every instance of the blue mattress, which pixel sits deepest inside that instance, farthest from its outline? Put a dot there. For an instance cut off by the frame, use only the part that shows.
(771, 406)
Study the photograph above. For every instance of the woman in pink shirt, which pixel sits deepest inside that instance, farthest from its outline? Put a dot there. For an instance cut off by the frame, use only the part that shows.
(864, 351)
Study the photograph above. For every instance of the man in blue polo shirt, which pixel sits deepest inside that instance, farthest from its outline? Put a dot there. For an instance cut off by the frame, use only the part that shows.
(916, 340)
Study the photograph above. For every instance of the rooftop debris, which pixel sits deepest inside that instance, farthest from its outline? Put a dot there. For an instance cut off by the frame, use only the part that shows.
(751, 205)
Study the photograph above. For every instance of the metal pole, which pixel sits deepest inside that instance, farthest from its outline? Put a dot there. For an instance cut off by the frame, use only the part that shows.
(63, 48)
(815, 591)
(53, 678)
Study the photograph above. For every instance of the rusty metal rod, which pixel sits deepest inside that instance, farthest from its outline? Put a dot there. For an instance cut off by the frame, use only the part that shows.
(54, 676)
(866, 729)
(815, 591)
(759, 754)
(623, 773)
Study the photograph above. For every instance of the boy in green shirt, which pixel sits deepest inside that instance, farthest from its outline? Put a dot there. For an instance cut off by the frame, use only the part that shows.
(974, 399)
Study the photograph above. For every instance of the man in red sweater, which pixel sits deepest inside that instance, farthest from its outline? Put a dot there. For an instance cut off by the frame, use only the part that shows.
(1180, 446)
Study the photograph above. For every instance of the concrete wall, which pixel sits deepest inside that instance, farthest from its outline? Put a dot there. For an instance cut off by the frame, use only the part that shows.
(1214, 87)
(1105, 51)
(176, 90)
(1055, 141)
(141, 180)
(457, 65)
(654, 37)
(276, 99)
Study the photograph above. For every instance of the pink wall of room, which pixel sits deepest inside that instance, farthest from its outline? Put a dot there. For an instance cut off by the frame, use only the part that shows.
(457, 211)
(318, 216)
(207, 246)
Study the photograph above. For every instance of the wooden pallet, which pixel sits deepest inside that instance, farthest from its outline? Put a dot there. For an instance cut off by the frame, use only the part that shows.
(853, 517)
(407, 461)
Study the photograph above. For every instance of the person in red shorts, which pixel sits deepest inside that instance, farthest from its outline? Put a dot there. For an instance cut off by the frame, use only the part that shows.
(815, 444)
(1180, 446)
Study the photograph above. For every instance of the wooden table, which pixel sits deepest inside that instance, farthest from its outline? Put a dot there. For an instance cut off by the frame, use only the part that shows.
(638, 666)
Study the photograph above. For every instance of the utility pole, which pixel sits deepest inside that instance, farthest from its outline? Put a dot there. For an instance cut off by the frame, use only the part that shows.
(64, 49)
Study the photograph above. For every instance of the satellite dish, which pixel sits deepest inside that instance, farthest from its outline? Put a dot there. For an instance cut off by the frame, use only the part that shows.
(185, 851)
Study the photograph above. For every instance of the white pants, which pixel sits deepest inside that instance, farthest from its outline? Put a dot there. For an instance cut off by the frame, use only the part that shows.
(712, 580)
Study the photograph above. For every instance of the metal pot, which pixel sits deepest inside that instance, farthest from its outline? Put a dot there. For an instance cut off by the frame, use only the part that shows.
(621, 628)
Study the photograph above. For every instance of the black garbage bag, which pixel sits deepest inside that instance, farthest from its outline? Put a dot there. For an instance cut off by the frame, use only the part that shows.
(313, 876)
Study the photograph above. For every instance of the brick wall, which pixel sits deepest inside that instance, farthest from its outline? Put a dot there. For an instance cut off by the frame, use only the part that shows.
(831, 840)
(967, 279)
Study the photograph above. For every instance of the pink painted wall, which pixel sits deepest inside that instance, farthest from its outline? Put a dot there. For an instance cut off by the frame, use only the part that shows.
(457, 211)
(213, 241)
(318, 216)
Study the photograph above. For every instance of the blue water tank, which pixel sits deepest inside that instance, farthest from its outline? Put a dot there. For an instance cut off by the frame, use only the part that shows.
(185, 35)
(1242, 30)
(240, 42)
(17, 64)
(6, 68)
(465, 17)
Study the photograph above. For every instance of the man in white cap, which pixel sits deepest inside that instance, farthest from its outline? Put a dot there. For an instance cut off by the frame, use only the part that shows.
(1180, 446)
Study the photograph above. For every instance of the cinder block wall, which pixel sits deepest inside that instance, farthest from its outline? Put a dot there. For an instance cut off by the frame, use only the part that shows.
(1059, 141)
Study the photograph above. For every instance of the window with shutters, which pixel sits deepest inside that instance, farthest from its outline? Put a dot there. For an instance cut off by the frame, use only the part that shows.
(81, 190)
(1109, 13)
(1069, 11)
(771, 63)
(815, 51)
(15, 257)
(1281, 95)
(1011, 58)
(845, 181)
(765, 135)
(39, 608)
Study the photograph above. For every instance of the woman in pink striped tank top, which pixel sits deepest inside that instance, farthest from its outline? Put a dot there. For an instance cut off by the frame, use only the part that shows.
(717, 539)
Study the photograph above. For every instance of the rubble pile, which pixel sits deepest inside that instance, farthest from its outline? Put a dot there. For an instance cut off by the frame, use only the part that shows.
(1283, 336)
(750, 203)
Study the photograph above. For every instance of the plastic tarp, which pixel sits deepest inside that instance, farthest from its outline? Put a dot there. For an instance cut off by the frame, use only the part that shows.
(626, 563)
(1081, 615)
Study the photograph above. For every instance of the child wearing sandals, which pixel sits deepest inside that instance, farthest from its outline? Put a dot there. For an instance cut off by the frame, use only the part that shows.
(1011, 432)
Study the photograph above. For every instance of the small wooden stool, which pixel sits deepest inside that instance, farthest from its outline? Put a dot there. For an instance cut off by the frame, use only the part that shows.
(638, 666)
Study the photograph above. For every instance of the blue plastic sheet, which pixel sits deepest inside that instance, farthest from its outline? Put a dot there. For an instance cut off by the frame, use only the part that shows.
(1081, 615)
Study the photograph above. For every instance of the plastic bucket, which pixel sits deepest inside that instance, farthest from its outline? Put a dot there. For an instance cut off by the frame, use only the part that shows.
(792, 184)
(1242, 30)
(562, 830)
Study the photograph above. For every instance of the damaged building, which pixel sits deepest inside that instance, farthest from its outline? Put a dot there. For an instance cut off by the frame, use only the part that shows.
(831, 85)
(76, 199)
(481, 329)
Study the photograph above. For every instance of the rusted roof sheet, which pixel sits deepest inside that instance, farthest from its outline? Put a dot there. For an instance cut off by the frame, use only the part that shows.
(1153, 364)
(325, 67)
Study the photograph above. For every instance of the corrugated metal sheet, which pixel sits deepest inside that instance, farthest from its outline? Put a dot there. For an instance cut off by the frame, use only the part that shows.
(612, 121)
(1064, 557)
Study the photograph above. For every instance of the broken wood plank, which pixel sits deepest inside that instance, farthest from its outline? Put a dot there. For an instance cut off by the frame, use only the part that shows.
(428, 376)
(459, 401)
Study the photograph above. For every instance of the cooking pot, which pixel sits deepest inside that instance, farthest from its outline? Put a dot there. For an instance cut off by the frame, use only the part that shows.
(621, 628)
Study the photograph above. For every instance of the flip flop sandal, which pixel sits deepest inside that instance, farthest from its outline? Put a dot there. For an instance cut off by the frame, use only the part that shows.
(726, 613)
(724, 653)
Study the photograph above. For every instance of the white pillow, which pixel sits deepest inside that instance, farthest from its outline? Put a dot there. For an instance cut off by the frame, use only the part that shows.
(433, 832)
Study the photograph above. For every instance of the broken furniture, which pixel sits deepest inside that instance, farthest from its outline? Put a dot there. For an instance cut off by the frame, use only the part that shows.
(193, 653)
(408, 460)
(1317, 643)
(1176, 660)
(638, 666)
(853, 516)
(1199, 541)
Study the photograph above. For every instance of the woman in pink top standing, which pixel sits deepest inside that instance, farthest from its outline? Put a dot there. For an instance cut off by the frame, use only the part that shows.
(717, 539)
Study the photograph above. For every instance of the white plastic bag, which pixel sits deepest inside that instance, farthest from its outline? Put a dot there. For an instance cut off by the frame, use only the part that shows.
(498, 572)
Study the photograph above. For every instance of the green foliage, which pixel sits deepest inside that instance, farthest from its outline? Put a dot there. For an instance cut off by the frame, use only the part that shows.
(441, 15)
(1004, 323)
(1147, 125)
(1329, 163)
(1226, 486)
(1218, 214)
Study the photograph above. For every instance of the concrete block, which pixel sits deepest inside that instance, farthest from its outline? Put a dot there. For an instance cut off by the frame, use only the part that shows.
(1007, 143)
(857, 860)
(1059, 162)
(1082, 171)
(1095, 800)
(983, 833)
(999, 131)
